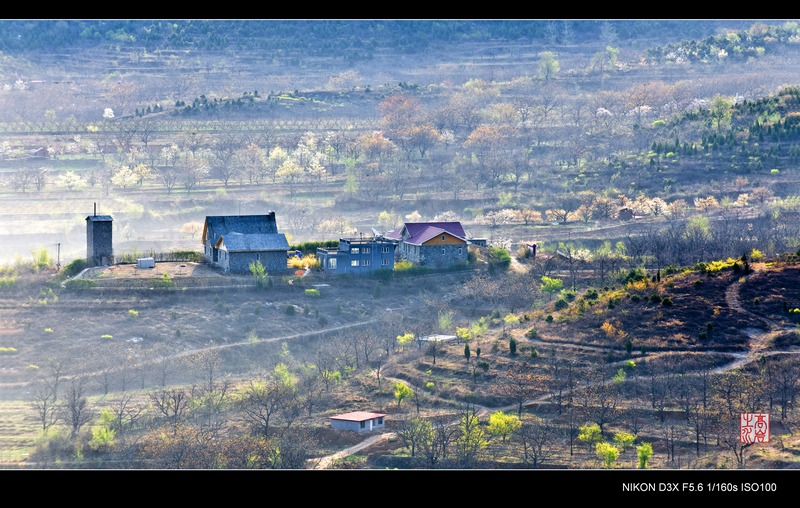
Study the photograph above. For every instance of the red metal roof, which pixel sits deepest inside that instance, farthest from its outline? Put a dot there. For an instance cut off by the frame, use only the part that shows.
(357, 416)
(454, 228)
(428, 233)
(420, 232)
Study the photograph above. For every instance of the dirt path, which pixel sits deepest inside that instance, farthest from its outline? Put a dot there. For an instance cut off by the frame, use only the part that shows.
(760, 339)
(216, 347)
(328, 460)
(516, 266)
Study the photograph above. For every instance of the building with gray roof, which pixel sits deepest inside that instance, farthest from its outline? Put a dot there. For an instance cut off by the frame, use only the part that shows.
(233, 242)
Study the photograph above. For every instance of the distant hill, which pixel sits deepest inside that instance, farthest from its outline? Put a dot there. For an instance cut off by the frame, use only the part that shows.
(347, 39)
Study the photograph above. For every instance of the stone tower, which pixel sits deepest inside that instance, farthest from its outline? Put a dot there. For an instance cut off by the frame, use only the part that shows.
(99, 247)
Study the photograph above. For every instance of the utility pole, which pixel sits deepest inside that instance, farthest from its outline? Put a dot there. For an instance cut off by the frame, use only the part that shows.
(58, 258)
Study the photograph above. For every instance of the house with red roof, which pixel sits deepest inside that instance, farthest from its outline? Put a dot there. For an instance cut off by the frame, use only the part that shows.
(358, 421)
(433, 244)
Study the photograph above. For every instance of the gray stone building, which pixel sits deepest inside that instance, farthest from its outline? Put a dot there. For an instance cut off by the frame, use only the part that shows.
(99, 240)
(433, 244)
(233, 242)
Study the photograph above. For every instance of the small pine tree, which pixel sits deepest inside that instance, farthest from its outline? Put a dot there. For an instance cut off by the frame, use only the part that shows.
(466, 351)
(512, 346)
(259, 273)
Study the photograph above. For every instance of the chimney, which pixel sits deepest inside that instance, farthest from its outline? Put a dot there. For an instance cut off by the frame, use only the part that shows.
(95, 209)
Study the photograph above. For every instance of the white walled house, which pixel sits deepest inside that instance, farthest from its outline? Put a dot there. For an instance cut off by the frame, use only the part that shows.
(358, 421)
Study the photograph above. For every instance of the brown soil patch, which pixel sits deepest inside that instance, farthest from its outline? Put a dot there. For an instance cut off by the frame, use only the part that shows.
(173, 269)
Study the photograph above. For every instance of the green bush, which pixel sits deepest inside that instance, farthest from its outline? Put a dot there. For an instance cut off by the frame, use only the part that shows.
(568, 294)
(80, 284)
(312, 292)
(311, 247)
(498, 258)
(635, 274)
(560, 304)
(403, 265)
(74, 267)
(164, 282)
(290, 310)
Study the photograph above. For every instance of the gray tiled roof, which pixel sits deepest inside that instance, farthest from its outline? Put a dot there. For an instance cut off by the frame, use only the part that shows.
(238, 242)
(218, 225)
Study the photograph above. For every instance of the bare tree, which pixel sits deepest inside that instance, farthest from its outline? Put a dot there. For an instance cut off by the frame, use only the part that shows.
(74, 409)
(536, 440)
(209, 404)
(127, 413)
(208, 363)
(311, 387)
(600, 400)
(519, 386)
(45, 404)
(785, 383)
(172, 403)
(260, 403)
(415, 431)
(223, 155)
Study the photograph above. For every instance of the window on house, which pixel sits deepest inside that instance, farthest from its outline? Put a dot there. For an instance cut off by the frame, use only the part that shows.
(365, 262)
(354, 250)
(363, 424)
(384, 262)
(380, 420)
(366, 250)
(443, 251)
(442, 237)
(459, 251)
(384, 250)
(354, 262)
(332, 263)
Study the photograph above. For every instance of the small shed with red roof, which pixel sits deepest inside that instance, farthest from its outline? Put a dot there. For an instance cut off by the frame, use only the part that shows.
(358, 421)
